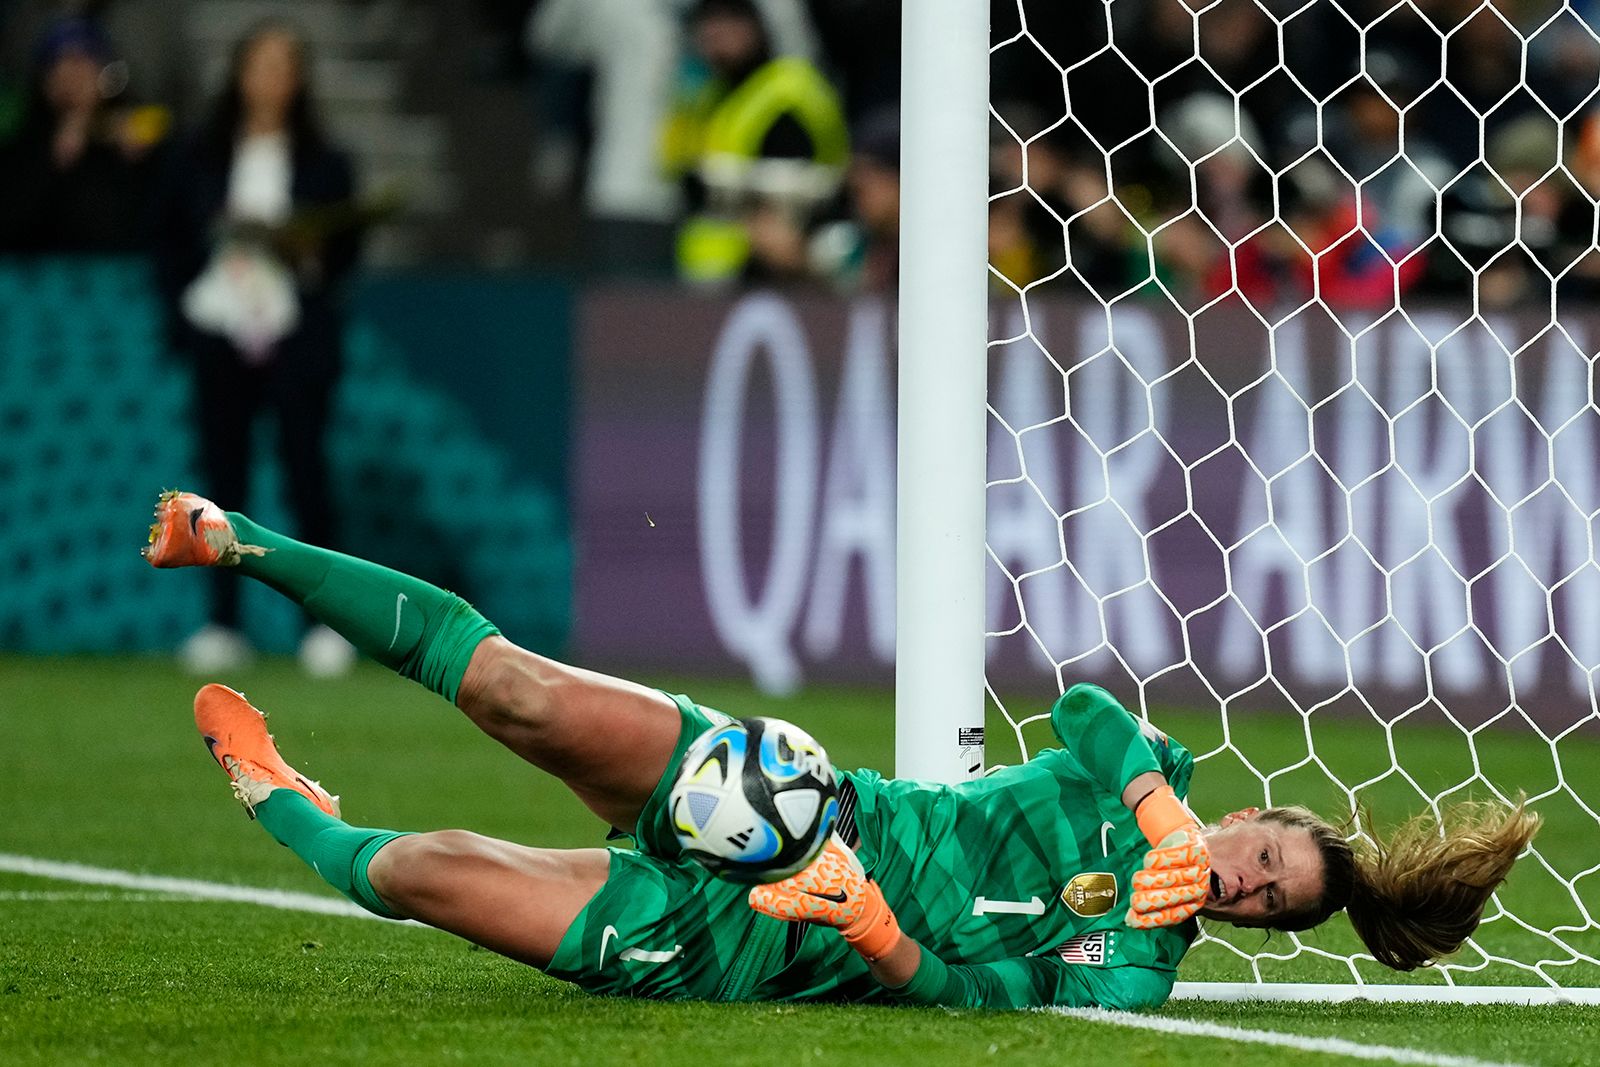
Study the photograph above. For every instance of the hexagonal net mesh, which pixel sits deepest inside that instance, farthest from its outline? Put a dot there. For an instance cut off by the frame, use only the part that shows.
(1294, 436)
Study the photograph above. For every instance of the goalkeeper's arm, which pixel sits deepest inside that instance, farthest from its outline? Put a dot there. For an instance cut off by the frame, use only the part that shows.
(1112, 748)
(834, 891)
(1028, 982)
(1106, 740)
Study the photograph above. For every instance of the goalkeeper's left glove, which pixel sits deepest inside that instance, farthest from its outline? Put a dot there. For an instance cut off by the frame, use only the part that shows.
(1176, 877)
(834, 891)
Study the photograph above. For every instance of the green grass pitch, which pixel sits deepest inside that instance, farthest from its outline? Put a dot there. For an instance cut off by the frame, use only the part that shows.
(100, 765)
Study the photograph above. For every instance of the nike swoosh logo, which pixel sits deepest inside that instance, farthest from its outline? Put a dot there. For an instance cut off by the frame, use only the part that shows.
(399, 602)
(639, 955)
(634, 955)
(837, 896)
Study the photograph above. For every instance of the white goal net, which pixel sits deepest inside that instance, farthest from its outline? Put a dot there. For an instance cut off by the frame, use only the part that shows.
(1294, 442)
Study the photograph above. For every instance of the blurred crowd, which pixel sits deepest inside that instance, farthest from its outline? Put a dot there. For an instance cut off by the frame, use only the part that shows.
(80, 157)
(1329, 159)
(1271, 149)
(1152, 146)
(253, 224)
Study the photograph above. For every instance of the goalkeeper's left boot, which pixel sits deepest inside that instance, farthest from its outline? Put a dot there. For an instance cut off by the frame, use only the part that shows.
(191, 531)
(236, 733)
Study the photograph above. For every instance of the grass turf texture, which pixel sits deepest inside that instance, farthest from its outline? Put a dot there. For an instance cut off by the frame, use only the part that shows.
(101, 765)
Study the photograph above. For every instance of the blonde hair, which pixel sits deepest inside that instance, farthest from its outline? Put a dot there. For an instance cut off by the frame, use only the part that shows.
(1418, 895)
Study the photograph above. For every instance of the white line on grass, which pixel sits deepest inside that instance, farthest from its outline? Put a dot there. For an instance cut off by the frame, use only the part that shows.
(68, 896)
(1332, 1045)
(270, 898)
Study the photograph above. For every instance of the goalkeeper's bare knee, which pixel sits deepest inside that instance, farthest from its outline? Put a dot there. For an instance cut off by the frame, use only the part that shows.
(507, 689)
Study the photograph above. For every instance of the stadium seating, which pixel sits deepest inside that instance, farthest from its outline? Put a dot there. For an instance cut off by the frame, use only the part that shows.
(92, 413)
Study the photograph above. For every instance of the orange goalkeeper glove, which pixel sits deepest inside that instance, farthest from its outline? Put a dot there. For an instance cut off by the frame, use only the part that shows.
(834, 891)
(1176, 877)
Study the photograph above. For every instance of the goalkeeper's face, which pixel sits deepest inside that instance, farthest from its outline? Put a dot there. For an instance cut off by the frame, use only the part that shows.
(1261, 871)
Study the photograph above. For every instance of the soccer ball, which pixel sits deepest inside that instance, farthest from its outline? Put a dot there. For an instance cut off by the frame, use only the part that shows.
(755, 800)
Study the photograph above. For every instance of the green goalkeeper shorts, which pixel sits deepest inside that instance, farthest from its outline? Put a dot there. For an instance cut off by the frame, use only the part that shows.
(662, 927)
(667, 930)
(654, 834)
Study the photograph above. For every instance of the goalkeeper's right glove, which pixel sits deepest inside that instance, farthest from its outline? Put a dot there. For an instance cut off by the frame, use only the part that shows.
(1176, 877)
(834, 891)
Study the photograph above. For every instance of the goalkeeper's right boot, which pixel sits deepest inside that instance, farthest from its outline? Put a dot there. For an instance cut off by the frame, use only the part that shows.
(191, 531)
(236, 733)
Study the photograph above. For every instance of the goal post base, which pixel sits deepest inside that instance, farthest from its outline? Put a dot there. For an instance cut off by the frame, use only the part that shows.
(1305, 992)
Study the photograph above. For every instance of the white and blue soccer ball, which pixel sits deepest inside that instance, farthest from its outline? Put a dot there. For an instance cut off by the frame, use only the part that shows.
(755, 800)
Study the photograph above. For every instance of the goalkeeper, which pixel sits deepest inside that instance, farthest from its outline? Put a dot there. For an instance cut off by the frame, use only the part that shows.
(1073, 879)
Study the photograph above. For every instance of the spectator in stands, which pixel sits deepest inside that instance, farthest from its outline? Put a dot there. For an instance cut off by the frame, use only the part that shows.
(79, 173)
(1076, 217)
(862, 251)
(152, 48)
(604, 72)
(258, 235)
(1582, 280)
(621, 55)
(1015, 257)
(1055, 223)
(1374, 249)
(1229, 192)
(1515, 222)
(762, 139)
(1022, 248)
(1485, 67)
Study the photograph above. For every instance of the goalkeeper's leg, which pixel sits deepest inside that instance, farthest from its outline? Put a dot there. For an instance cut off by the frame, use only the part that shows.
(516, 900)
(609, 740)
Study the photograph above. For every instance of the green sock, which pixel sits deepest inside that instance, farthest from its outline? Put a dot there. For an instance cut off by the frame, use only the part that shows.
(336, 850)
(409, 626)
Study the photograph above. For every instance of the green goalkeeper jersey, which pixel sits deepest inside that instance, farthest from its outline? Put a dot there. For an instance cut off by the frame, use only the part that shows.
(1017, 884)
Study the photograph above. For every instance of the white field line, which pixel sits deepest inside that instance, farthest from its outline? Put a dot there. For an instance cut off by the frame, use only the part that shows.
(1333, 1046)
(1316, 993)
(69, 896)
(282, 899)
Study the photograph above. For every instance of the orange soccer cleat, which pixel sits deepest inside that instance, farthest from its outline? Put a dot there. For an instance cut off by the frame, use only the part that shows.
(236, 733)
(191, 531)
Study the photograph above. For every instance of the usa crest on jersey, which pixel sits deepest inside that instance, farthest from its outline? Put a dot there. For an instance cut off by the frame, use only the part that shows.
(1089, 950)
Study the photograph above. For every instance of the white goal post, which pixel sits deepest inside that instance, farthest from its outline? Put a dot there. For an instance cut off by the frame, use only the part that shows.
(944, 225)
(1275, 430)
